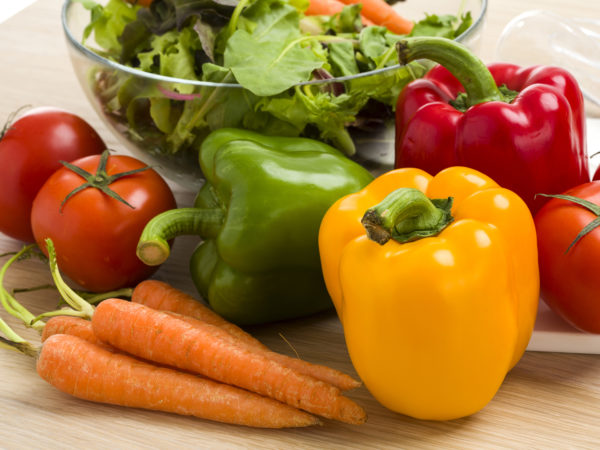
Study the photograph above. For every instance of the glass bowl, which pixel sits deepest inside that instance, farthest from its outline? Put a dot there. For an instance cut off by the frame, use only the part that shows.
(101, 78)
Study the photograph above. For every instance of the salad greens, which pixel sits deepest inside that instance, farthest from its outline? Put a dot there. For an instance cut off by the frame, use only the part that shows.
(268, 47)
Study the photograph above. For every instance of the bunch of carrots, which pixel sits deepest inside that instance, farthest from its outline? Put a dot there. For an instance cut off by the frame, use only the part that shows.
(163, 350)
(374, 12)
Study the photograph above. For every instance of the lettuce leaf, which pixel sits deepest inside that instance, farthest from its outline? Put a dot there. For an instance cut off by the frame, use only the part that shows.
(265, 53)
(107, 23)
(447, 25)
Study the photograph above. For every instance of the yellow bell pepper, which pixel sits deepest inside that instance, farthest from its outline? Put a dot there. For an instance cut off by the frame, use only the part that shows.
(432, 323)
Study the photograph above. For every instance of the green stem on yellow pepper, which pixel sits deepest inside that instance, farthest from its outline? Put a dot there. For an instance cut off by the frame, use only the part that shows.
(153, 247)
(406, 215)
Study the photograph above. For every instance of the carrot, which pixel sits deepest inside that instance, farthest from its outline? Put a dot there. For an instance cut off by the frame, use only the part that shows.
(324, 7)
(383, 14)
(73, 360)
(164, 297)
(329, 8)
(74, 326)
(91, 372)
(157, 336)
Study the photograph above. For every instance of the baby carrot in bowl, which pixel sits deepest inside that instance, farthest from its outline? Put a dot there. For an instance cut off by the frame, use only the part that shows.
(381, 13)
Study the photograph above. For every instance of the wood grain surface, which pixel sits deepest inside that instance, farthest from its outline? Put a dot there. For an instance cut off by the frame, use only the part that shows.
(549, 400)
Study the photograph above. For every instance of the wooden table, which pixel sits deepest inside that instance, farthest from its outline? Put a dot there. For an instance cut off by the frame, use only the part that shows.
(548, 400)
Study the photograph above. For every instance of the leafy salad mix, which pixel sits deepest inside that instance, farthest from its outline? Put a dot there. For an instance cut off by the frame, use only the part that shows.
(276, 60)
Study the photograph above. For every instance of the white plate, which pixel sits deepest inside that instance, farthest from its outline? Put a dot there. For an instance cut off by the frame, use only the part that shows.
(552, 333)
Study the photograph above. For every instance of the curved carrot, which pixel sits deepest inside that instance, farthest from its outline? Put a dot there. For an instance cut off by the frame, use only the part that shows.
(74, 326)
(382, 14)
(164, 297)
(157, 336)
(91, 372)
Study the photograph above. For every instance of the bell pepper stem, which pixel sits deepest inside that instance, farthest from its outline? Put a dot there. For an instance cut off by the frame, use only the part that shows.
(407, 215)
(470, 71)
(153, 246)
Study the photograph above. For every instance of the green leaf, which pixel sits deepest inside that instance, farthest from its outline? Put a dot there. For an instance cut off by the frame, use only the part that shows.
(289, 108)
(465, 22)
(447, 25)
(386, 86)
(108, 22)
(329, 113)
(161, 113)
(348, 20)
(166, 15)
(267, 67)
(372, 43)
(229, 106)
(267, 54)
(173, 55)
(270, 19)
(343, 61)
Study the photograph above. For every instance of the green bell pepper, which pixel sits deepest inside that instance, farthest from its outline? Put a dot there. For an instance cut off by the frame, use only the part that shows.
(258, 214)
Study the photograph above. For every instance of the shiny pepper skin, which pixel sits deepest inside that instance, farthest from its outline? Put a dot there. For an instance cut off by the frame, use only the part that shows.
(433, 325)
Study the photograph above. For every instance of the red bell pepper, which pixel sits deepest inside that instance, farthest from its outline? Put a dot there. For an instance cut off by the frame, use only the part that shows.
(528, 135)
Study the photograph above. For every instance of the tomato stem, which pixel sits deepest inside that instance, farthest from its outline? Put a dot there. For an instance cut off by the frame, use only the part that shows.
(595, 209)
(100, 180)
(11, 119)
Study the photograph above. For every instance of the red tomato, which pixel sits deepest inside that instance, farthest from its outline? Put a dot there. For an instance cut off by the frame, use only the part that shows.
(570, 284)
(30, 152)
(96, 235)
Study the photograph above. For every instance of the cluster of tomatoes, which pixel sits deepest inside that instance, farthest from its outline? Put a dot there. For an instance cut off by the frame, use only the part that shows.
(55, 183)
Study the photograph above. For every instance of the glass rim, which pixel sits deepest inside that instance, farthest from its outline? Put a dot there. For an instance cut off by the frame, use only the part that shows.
(76, 44)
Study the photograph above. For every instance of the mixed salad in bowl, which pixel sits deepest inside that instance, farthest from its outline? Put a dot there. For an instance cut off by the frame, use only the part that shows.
(167, 74)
